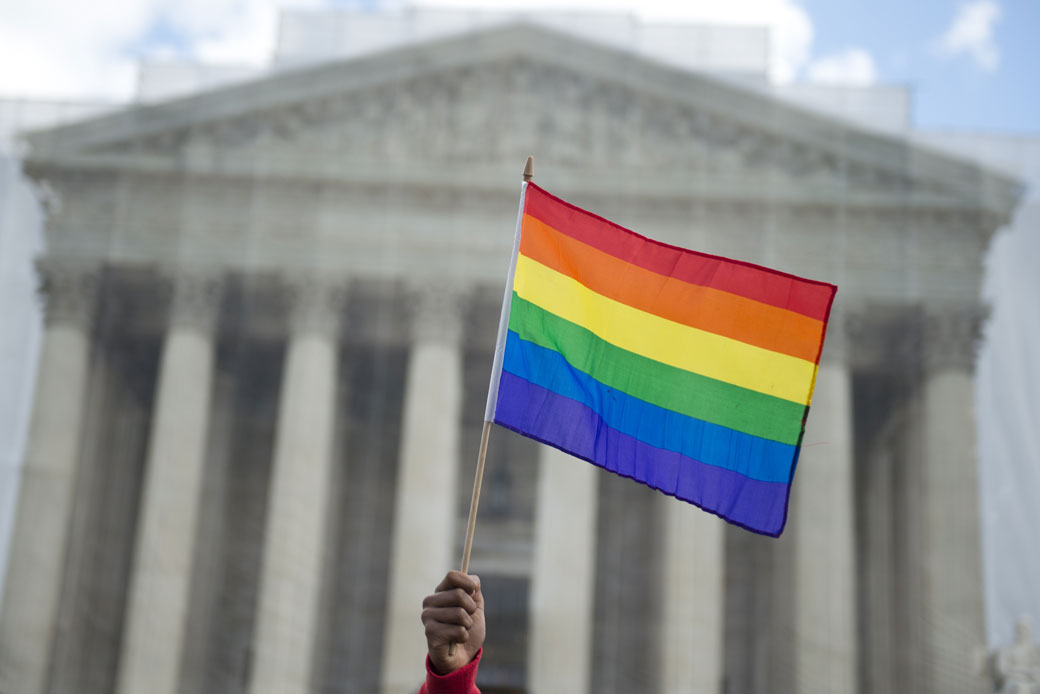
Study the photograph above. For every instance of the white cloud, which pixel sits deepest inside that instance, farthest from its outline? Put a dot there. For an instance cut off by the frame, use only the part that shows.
(234, 31)
(853, 66)
(971, 34)
(54, 49)
(791, 28)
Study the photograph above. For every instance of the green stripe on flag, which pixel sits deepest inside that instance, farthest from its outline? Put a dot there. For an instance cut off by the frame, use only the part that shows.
(666, 386)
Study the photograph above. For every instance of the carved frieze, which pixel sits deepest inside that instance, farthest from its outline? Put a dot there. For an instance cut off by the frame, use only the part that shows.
(74, 201)
(505, 110)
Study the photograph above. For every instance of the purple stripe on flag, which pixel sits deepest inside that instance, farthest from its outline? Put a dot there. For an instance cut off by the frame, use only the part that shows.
(574, 428)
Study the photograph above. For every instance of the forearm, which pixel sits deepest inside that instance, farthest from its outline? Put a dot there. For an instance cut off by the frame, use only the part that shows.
(461, 681)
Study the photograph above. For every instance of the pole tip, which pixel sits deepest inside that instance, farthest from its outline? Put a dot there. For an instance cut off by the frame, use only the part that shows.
(529, 169)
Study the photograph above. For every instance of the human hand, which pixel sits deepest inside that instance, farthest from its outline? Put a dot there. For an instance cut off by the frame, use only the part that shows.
(454, 614)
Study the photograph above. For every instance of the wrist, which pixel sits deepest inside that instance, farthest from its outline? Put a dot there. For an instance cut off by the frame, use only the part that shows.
(442, 664)
(462, 678)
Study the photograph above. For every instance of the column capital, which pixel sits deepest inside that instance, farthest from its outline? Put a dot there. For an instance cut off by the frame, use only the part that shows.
(314, 304)
(70, 289)
(842, 327)
(195, 297)
(950, 336)
(437, 310)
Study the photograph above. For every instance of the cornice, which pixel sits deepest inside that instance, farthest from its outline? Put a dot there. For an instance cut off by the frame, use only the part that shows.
(659, 185)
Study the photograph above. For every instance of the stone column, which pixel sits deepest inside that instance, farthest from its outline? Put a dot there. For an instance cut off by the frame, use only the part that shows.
(822, 518)
(294, 541)
(952, 557)
(423, 532)
(32, 590)
(693, 598)
(563, 576)
(153, 636)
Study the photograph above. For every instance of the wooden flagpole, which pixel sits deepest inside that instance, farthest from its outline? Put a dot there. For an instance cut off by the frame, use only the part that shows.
(478, 478)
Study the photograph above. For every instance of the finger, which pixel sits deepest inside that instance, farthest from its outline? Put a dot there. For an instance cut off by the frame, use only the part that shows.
(457, 579)
(477, 595)
(436, 632)
(447, 615)
(451, 598)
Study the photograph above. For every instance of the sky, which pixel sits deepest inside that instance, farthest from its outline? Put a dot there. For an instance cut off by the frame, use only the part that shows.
(971, 64)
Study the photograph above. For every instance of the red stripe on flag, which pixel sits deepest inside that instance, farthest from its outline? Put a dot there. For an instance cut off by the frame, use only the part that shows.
(807, 297)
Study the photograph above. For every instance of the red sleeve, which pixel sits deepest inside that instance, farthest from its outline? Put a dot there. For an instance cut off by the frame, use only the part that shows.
(462, 681)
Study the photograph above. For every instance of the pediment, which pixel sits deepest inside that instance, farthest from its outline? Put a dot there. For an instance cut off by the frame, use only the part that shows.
(496, 112)
(501, 95)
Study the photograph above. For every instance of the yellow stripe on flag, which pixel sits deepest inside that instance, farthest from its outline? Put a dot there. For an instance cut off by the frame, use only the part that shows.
(690, 349)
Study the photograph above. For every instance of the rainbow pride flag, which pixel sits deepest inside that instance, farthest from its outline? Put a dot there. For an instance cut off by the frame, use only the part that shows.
(688, 372)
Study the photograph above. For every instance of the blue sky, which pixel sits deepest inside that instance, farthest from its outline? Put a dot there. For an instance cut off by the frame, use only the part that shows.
(981, 80)
(950, 91)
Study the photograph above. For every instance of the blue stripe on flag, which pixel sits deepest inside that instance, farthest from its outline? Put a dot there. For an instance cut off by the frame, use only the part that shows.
(752, 456)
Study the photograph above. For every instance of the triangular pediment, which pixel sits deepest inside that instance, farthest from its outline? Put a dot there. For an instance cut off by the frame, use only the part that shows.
(503, 93)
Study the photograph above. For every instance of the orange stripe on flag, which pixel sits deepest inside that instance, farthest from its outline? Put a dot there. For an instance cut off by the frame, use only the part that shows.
(705, 308)
(780, 289)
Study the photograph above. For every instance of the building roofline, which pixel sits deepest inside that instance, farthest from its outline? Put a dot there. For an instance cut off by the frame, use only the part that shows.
(524, 40)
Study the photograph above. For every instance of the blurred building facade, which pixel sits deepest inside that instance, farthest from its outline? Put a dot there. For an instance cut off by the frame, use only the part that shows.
(270, 312)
